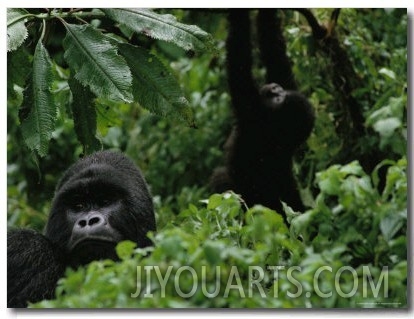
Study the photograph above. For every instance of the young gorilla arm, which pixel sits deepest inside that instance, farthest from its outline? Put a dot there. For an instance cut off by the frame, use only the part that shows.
(243, 91)
(273, 48)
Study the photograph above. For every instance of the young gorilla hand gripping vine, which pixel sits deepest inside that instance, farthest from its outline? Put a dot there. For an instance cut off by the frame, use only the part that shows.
(270, 123)
(100, 201)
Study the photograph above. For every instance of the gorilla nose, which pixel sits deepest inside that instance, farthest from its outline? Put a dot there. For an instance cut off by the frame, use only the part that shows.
(93, 220)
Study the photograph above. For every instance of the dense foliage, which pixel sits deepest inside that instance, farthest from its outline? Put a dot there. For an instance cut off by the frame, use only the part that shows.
(209, 255)
(102, 65)
(357, 218)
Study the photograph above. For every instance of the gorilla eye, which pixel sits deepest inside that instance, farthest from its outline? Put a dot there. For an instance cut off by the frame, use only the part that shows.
(104, 202)
(78, 206)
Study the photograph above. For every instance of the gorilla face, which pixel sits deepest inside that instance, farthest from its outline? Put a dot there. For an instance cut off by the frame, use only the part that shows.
(100, 201)
(285, 118)
(273, 95)
(88, 210)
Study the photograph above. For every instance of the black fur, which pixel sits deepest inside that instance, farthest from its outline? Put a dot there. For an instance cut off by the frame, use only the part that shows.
(34, 266)
(270, 123)
(100, 200)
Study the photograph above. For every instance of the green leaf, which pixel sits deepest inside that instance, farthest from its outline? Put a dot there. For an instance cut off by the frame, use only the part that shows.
(38, 113)
(96, 63)
(84, 116)
(388, 73)
(212, 251)
(154, 87)
(330, 183)
(391, 224)
(353, 168)
(214, 201)
(18, 70)
(394, 108)
(107, 115)
(16, 30)
(125, 249)
(163, 27)
(387, 126)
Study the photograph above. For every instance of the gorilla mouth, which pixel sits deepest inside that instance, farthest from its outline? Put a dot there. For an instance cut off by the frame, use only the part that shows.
(89, 249)
(93, 241)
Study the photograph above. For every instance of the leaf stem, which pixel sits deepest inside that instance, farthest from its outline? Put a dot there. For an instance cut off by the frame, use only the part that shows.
(43, 31)
(73, 13)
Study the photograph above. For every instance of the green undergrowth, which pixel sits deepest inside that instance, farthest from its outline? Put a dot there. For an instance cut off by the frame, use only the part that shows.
(348, 251)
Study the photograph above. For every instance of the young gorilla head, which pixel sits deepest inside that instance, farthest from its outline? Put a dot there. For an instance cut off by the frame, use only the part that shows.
(100, 200)
(289, 116)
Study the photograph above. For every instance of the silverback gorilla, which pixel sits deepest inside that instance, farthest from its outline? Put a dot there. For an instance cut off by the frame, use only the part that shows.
(270, 123)
(101, 200)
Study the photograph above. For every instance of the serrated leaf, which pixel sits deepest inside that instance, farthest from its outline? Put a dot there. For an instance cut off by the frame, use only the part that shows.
(16, 30)
(154, 87)
(96, 63)
(163, 27)
(39, 112)
(84, 116)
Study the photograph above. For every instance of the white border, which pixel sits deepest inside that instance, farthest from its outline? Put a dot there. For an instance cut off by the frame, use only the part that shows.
(278, 313)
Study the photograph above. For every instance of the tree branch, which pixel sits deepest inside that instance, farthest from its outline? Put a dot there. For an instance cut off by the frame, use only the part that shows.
(319, 31)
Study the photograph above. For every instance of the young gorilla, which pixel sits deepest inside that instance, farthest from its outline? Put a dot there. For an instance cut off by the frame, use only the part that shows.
(270, 123)
(100, 200)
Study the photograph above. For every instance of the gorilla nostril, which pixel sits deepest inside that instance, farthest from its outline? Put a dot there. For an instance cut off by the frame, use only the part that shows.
(89, 221)
(82, 223)
(94, 220)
